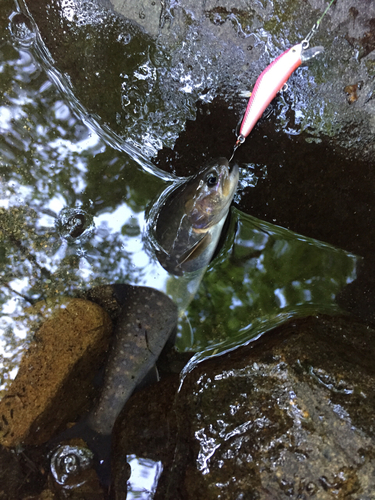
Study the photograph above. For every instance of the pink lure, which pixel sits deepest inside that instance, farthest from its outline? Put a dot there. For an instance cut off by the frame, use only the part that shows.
(270, 81)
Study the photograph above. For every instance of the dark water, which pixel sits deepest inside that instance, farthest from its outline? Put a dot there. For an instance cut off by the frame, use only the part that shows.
(74, 204)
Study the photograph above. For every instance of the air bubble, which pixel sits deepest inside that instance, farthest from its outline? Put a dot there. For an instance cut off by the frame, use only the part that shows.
(124, 38)
(22, 29)
(74, 225)
(69, 465)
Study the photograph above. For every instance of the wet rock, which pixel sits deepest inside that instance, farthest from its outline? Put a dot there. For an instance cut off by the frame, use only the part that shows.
(290, 416)
(239, 35)
(202, 50)
(54, 381)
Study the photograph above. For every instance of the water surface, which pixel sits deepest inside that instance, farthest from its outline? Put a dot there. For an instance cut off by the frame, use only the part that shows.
(74, 203)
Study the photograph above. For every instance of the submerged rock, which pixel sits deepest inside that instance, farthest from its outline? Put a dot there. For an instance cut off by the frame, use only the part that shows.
(54, 380)
(290, 416)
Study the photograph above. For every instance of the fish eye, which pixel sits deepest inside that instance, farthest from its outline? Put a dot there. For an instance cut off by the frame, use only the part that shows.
(211, 179)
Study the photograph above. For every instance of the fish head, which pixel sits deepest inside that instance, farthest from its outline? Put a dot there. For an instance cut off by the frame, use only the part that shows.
(188, 220)
(210, 193)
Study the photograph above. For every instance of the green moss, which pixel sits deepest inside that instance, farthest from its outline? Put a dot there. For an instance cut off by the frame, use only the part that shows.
(370, 66)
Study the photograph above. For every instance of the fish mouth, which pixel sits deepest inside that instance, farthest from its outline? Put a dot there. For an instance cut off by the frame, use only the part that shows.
(232, 179)
(229, 185)
(233, 168)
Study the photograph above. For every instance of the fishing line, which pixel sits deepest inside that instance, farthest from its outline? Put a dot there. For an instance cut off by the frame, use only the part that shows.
(324, 13)
(314, 29)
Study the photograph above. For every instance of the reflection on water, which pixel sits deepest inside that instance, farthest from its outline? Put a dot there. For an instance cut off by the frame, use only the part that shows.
(71, 207)
(145, 474)
(263, 276)
(72, 214)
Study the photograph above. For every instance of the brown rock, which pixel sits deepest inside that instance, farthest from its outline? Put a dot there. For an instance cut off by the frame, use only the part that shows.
(55, 374)
(290, 416)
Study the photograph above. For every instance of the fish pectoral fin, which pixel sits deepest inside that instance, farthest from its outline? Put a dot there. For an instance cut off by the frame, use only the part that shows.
(196, 249)
(151, 377)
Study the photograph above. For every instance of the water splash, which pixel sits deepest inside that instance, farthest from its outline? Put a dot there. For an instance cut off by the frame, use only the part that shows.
(75, 225)
(102, 130)
(69, 465)
(263, 276)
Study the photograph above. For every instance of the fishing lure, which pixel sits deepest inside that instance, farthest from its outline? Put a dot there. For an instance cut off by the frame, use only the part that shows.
(270, 81)
(273, 78)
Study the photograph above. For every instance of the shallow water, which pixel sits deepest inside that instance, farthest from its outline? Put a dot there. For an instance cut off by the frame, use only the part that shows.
(73, 212)
(75, 198)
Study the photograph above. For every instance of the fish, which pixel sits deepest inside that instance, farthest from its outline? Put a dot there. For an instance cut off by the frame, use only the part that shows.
(146, 321)
(188, 225)
(270, 82)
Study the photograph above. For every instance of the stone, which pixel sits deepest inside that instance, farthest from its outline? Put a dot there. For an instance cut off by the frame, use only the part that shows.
(289, 416)
(54, 381)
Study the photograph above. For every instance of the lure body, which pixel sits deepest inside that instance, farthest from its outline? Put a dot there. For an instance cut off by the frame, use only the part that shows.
(268, 84)
(270, 81)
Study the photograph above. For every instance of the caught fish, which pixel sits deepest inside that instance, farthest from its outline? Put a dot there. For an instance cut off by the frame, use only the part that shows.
(188, 228)
(188, 225)
(270, 81)
(146, 321)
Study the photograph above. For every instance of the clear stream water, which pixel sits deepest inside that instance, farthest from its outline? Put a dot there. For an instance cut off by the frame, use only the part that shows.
(57, 171)
(73, 211)
(73, 214)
